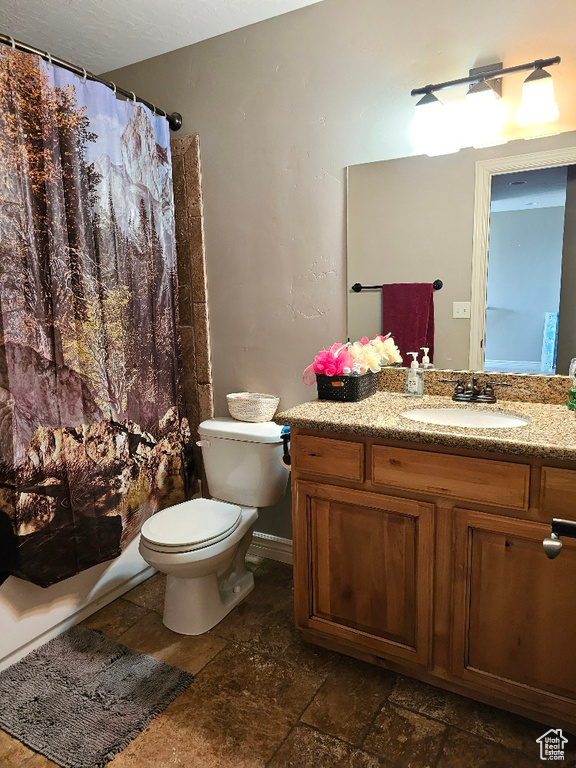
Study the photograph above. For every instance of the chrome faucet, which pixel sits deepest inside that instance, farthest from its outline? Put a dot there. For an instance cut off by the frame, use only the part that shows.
(470, 392)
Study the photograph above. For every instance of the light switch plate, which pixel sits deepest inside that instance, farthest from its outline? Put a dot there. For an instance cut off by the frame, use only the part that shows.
(461, 309)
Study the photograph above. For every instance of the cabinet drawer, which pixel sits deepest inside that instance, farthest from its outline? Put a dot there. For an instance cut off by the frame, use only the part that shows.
(558, 493)
(332, 458)
(502, 483)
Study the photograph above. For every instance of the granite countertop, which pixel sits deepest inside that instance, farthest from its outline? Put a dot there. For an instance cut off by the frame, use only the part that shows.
(550, 433)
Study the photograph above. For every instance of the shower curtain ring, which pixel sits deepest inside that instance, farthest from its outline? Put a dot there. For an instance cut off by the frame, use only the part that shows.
(12, 42)
(49, 58)
(114, 88)
(83, 75)
(133, 97)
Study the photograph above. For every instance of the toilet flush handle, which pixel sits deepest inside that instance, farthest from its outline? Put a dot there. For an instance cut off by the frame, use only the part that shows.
(203, 443)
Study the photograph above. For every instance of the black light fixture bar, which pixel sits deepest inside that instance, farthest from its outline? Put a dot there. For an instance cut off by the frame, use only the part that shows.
(482, 76)
(174, 120)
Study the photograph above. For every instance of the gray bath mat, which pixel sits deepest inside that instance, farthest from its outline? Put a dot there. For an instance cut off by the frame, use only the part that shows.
(81, 698)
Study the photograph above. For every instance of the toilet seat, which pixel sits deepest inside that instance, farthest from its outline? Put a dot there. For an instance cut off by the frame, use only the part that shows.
(191, 525)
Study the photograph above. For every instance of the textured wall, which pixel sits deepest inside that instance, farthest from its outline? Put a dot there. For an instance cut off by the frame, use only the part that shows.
(281, 109)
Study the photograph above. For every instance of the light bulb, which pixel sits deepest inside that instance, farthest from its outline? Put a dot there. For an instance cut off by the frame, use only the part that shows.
(484, 116)
(538, 104)
(433, 133)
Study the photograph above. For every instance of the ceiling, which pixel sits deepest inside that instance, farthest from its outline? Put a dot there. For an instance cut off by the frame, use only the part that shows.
(102, 35)
(540, 188)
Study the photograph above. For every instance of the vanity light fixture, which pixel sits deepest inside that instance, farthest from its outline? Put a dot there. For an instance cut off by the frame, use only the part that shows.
(484, 117)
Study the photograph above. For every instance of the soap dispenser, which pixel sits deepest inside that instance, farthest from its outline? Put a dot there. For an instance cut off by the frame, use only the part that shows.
(414, 380)
(425, 359)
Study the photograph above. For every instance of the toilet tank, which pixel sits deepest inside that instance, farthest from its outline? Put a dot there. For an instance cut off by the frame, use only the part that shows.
(243, 461)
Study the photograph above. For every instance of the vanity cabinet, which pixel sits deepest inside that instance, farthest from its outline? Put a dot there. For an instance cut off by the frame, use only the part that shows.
(514, 620)
(370, 569)
(429, 561)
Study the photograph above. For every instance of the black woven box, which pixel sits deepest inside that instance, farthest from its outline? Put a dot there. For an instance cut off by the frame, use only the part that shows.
(346, 389)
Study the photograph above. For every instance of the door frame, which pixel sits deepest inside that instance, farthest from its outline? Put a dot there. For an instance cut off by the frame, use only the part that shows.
(484, 171)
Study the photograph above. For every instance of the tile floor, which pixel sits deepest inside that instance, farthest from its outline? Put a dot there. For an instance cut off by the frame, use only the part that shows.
(262, 698)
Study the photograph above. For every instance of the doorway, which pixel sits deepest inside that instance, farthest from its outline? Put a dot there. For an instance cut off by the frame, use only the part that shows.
(486, 172)
(527, 212)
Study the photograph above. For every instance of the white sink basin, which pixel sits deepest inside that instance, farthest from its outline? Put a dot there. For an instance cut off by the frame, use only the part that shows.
(462, 417)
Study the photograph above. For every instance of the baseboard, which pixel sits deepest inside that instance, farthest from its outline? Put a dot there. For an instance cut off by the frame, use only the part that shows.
(272, 547)
(77, 617)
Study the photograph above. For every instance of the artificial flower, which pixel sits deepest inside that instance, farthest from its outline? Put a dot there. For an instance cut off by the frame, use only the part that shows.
(387, 349)
(333, 361)
(365, 356)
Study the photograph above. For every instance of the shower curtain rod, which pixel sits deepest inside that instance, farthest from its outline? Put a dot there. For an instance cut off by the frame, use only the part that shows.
(174, 120)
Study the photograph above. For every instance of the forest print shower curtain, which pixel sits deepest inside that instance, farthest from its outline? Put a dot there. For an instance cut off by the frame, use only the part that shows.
(92, 422)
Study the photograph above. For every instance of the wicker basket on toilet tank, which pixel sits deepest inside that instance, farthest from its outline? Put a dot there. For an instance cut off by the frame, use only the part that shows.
(252, 406)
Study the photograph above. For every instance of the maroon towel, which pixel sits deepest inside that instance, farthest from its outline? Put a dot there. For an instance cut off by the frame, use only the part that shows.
(408, 314)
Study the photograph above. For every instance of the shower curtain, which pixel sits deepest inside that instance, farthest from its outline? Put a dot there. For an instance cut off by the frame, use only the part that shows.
(93, 433)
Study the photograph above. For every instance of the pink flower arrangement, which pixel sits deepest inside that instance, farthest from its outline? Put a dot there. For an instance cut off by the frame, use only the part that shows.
(353, 359)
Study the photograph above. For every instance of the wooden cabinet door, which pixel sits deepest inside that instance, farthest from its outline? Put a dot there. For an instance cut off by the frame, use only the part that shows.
(514, 625)
(364, 561)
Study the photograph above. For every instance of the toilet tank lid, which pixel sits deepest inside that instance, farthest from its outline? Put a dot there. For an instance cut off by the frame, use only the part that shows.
(232, 429)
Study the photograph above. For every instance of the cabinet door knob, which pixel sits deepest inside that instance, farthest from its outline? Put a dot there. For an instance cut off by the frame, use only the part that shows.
(552, 545)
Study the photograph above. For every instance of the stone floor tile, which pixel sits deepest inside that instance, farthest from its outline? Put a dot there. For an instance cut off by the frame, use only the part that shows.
(115, 618)
(349, 698)
(464, 749)
(504, 728)
(192, 653)
(12, 752)
(237, 712)
(265, 622)
(166, 744)
(274, 572)
(308, 748)
(405, 739)
(149, 594)
(270, 630)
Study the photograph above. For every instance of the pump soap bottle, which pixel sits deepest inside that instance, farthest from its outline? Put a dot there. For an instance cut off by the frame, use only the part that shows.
(414, 380)
(425, 359)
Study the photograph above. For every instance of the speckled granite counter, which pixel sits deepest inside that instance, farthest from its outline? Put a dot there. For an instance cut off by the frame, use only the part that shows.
(551, 432)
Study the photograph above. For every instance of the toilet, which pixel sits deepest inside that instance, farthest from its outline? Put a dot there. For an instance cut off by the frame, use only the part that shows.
(201, 544)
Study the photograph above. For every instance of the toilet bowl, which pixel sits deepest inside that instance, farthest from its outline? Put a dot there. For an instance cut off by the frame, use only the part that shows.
(201, 544)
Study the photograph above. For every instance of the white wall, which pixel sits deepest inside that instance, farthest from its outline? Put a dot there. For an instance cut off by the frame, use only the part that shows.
(525, 262)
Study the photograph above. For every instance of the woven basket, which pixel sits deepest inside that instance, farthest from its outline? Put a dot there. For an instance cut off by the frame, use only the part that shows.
(348, 389)
(252, 406)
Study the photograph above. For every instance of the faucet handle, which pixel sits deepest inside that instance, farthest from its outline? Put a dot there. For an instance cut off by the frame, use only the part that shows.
(458, 390)
(488, 396)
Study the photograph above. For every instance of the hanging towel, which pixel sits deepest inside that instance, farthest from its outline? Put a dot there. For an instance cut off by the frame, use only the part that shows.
(408, 314)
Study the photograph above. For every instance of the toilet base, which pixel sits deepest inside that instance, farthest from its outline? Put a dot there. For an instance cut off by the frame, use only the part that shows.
(194, 605)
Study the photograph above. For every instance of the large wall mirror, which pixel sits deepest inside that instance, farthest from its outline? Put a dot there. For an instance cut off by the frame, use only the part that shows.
(497, 226)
